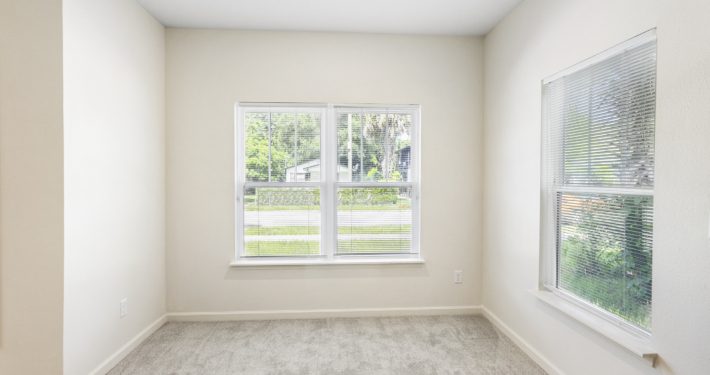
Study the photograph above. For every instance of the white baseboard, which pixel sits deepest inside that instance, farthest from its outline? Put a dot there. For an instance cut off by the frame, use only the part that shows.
(522, 344)
(121, 353)
(324, 313)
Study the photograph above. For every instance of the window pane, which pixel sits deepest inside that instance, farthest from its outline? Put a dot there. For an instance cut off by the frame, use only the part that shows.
(374, 146)
(374, 220)
(282, 146)
(605, 252)
(606, 114)
(282, 221)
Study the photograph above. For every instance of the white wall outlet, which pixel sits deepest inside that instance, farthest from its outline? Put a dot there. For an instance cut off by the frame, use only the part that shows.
(458, 277)
(124, 307)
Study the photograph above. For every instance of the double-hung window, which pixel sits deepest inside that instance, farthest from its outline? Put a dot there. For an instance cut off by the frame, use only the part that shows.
(597, 185)
(326, 183)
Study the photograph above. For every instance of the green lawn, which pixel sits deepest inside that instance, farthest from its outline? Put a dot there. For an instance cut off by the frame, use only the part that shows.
(300, 248)
(402, 204)
(285, 248)
(361, 207)
(305, 230)
(377, 229)
(374, 246)
(281, 231)
(609, 294)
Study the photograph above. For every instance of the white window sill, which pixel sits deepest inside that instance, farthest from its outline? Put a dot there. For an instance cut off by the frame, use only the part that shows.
(322, 262)
(640, 346)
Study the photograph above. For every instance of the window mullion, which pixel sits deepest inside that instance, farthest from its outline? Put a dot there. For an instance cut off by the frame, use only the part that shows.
(328, 220)
(414, 178)
(239, 179)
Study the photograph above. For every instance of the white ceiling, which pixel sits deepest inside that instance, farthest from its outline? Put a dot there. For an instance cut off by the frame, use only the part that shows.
(452, 17)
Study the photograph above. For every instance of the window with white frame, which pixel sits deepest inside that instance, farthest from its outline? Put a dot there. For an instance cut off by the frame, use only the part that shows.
(598, 180)
(327, 182)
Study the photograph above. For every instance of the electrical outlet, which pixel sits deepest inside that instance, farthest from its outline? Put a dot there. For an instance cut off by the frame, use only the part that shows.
(458, 277)
(124, 307)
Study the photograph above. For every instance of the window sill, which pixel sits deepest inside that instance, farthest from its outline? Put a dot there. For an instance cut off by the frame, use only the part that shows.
(322, 262)
(637, 345)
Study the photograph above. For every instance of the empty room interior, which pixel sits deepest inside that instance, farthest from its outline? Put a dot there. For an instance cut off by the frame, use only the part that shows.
(354, 187)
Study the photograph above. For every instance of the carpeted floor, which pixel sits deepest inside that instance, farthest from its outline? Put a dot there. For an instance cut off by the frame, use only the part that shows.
(400, 345)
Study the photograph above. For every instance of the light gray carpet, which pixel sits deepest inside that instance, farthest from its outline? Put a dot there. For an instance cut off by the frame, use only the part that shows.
(401, 345)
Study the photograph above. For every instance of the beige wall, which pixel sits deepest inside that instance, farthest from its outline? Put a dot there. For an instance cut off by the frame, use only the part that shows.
(114, 66)
(208, 71)
(31, 192)
(115, 218)
(540, 38)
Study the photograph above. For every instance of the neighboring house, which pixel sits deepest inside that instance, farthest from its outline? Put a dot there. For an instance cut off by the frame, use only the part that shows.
(310, 171)
(404, 158)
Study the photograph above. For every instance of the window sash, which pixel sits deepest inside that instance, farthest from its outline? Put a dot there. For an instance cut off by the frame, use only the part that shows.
(390, 232)
(550, 242)
(328, 183)
(274, 231)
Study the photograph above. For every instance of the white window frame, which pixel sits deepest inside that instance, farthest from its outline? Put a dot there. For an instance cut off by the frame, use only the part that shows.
(620, 331)
(328, 186)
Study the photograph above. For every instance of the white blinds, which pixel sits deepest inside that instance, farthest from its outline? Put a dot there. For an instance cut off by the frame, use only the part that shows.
(281, 196)
(602, 119)
(282, 146)
(375, 189)
(282, 221)
(374, 146)
(598, 179)
(374, 220)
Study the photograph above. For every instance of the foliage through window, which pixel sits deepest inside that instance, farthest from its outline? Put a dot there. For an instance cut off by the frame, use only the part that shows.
(326, 181)
(598, 180)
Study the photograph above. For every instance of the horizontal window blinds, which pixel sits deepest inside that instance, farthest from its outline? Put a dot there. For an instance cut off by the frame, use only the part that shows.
(374, 146)
(599, 177)
(282, 146)
(282, 221)
(374, 220)
(604, 251)
(602, 120)
(374, 189)
(282, 150)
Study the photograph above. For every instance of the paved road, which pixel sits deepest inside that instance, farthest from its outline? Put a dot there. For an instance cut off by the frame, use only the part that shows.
(307, 218)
